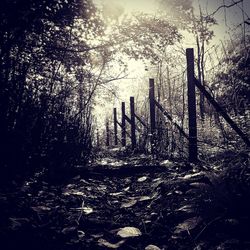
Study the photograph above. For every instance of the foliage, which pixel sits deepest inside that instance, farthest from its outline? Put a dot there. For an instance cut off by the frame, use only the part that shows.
(232, 79)
(45, 87)
(147, 36)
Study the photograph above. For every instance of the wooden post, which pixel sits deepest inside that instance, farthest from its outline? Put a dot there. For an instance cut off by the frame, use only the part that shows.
(193, 150)
(115, 127)
(132, 121)
(123, 125)
(107, 134)
(223, 113)
(152, 112)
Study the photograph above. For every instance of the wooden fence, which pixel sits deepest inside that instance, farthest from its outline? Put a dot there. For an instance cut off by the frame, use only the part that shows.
(192, 85)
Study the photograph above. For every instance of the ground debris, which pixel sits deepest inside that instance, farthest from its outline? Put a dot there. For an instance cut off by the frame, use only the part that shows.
(184, 209)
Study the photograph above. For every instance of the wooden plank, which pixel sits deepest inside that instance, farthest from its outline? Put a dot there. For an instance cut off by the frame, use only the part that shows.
(127, 133)
(123, 123)
(221, 111)
(132, 120)
(141, 121)
(165, 113)
(115, 127)
(152, 113)
(127, 119)
(192, 123)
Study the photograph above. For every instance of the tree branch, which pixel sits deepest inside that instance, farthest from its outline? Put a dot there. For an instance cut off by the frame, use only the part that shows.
(225, 6)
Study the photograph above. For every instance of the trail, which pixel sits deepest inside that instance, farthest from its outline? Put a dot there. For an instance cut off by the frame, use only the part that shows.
(167, 202)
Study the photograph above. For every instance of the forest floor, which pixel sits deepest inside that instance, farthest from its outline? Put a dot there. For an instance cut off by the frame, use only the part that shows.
(132, 203)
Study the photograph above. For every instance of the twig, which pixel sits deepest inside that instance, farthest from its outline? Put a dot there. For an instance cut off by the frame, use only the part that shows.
(207, 225)
(225, 6)
(80, 216)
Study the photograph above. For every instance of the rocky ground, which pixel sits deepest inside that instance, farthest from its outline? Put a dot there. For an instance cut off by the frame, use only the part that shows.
(132, 203)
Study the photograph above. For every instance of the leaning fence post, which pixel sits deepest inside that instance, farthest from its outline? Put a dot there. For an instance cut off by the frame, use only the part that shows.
(152, 112)
(123, 125)
(115, 127)
(107, 134)
(132, 120)
(193, 150)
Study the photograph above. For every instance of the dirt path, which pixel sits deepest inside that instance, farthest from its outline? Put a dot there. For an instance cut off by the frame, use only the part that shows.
(167, 206)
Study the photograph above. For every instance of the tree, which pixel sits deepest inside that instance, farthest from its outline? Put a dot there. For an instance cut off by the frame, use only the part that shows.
(45, 87)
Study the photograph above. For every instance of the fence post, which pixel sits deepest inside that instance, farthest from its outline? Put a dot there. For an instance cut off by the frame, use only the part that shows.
(123, 125)
(193, 150)
(132, 119)
(152, 112)
(107, 134)
(115, 127)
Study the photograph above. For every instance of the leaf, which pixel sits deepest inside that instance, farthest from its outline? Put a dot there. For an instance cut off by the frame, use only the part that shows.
(126, 189)
(188, 225)
(116, 194)
(142, 179)
(73, 192)
(81, 234)
(199, 185)
(104, 243)
(68, 230)
(166, 163)
(186, 208)
(127, 232)
(195, 175)
(17, 223)
(87, 210)
(152, 247)
(41, 209)
(145, 198)
(128, 204)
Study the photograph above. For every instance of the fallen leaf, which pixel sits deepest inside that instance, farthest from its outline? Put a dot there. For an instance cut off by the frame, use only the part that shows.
(87, 210)
(76, 177)
(186, 208)
(41, 209)
(142, 179)
(68, 230)
(166, 163)
(128, 204)
(116, 194)
(104, 243)
(152, 247)
(76, 193)
(81, 234)
(188, 225)
(17, 223)
(145, 198)
(97, 235)
(199, 185)
(189, 176)
(127, 232)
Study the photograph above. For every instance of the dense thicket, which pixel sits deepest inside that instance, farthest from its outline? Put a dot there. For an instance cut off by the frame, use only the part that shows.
(45, 91)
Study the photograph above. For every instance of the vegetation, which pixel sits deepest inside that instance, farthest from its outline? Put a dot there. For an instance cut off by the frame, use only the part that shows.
(64, 184)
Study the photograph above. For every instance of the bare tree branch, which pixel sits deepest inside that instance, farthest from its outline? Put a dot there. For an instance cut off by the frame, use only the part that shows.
(225, 6)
